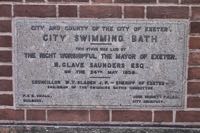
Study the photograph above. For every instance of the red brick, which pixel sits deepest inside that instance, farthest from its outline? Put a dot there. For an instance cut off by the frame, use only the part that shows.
(100, 12)
(188, 116)
(9, 114)
(6, 99)
(10, 0)
(163, 116)
(195, 27)
(34, 11)
(5, 10)
(99, 115)
(167, 12)
(35, 1)
(102, 1)
(36, 115)
(135, 1)
(68, 115)
(134, 12)
(194, 73)
(193, 87)
(190, 1)
(5, 85)
(5, 41)
(194, 58)
(193, 102)
(194, 42)
(6, 70)
(68, 0)
(196, 13)
(168, 1)
(5, 26)
(131, 115)
(5, 56)
(67, 11)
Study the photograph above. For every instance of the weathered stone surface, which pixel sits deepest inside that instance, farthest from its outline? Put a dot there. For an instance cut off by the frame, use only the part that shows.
(100, 63)
(86, 129)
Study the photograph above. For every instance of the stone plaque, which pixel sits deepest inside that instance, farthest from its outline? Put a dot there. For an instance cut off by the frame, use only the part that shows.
(94, 63)
(96, 129)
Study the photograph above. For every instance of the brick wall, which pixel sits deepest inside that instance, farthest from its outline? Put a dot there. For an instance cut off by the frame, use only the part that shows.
(142, 9)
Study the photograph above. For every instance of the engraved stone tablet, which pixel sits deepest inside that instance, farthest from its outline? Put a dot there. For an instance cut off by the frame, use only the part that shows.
(100, 63)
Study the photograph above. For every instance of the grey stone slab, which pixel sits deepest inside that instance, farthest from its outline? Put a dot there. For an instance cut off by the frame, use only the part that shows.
(100, 63)
(57, 129)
